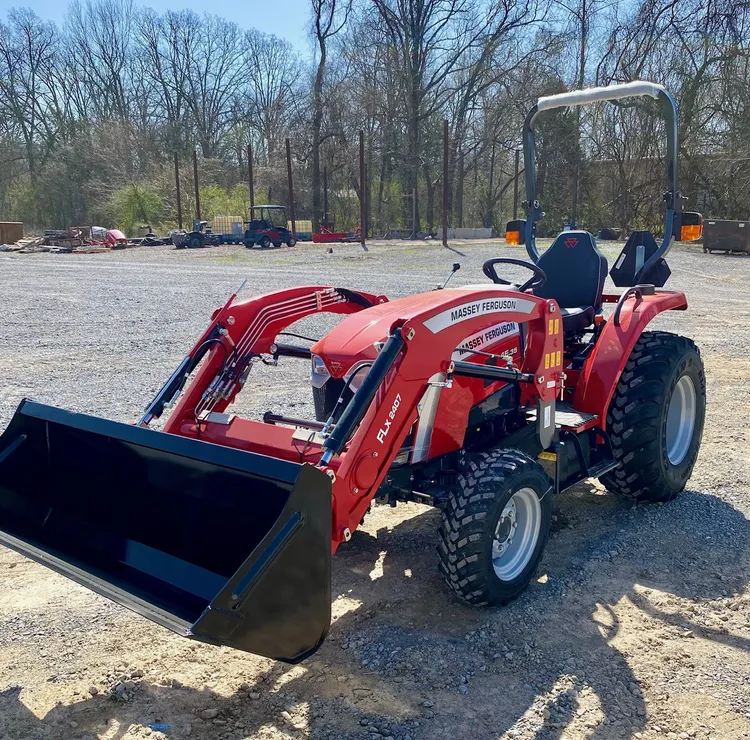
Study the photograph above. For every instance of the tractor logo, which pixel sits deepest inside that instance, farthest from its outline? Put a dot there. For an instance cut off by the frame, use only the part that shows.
(571, 242)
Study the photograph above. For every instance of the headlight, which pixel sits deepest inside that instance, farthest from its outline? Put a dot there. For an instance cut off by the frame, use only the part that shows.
(357, 377)
(319, 372)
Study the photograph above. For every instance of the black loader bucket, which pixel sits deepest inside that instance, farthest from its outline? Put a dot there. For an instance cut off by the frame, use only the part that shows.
(224, 546)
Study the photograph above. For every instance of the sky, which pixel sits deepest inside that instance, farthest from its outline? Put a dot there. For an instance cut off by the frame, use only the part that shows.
(287, 19)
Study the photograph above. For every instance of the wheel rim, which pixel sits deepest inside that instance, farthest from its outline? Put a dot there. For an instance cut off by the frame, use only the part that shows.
(516, 534)
(681, 419)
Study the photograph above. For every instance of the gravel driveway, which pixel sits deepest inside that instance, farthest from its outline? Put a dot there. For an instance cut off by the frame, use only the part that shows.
(638, 624)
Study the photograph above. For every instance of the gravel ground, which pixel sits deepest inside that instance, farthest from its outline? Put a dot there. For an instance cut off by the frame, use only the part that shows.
(638, 624)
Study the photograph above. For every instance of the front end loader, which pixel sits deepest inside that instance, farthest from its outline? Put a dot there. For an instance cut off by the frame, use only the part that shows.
(482, 400)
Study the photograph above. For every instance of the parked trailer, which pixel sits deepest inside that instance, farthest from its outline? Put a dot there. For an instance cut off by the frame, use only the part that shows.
(726, 236)
(229, 229)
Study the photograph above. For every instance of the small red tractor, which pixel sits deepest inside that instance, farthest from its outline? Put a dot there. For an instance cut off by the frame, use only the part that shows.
(483, 400)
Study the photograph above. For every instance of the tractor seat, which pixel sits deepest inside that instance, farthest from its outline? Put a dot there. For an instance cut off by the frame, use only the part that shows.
(575, 271)
(577, 319)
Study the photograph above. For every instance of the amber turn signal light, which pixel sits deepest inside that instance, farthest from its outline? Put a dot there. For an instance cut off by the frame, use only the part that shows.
(691, 233)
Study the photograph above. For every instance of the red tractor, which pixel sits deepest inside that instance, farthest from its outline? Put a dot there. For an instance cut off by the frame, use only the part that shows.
(482, 400)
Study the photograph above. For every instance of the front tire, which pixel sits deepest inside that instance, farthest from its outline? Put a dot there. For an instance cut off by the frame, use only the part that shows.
(291, 241)
(495, 527)
(655, 419)
(264, 242)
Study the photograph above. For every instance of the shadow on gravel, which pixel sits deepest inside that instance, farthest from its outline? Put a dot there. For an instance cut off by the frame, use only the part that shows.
(404, 660)
(713, 567)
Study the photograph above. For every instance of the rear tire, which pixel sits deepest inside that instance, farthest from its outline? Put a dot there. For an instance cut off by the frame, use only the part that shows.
(495, 527)
(277, 245)
(291, 241)
(655, 419)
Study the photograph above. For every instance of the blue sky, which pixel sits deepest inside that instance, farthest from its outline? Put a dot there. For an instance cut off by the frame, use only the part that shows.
(287, 19)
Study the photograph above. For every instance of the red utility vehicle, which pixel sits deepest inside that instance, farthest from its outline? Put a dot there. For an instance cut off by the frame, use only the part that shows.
(482, 400)
(268, 225)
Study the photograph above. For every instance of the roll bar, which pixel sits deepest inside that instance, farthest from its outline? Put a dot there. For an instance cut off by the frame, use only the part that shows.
(639, 88)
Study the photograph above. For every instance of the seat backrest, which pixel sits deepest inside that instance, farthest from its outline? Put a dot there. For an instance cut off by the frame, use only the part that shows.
(576, 271)
(624, 272)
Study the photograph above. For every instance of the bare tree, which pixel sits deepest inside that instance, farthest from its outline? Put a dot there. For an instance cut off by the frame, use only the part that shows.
(164, 64)
(267, 102)
(99, 33)
(329, 17)
(27, 60)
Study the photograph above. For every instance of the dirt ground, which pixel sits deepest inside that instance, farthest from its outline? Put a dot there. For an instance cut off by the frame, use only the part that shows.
(638, 624)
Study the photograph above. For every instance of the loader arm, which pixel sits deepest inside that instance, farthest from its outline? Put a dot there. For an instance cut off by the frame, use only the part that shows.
(248, 330)
(419, 348)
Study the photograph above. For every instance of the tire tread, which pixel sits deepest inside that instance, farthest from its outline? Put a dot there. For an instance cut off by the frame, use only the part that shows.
(635, 414)
(461, 537)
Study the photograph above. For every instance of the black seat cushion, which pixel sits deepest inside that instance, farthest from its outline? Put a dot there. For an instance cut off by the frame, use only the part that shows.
(577, 319)
(576, 271)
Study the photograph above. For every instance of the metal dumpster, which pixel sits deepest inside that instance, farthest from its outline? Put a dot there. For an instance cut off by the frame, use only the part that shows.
(726, 236)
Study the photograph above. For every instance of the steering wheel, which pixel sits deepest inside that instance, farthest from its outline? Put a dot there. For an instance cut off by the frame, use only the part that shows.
(538, 279)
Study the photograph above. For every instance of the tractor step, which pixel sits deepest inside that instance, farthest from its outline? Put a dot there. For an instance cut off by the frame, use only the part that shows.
(566, 417)
(604, 467)
(571, 469)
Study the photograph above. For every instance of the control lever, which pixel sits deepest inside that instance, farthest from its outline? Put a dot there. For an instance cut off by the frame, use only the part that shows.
(456, 268)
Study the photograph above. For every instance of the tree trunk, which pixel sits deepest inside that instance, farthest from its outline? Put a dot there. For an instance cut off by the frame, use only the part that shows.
(316, 129)
(623, 199)
(460, 190)
(430, 186)
(381, 190)
(488, 218)
(579, 85)
(414, 160)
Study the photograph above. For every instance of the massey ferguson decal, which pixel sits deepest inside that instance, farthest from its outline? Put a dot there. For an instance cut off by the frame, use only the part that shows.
(383, 431)
(477, 308)
(484, 338)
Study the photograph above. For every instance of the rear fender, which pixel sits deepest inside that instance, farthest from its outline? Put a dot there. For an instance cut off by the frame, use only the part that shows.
(602, 369)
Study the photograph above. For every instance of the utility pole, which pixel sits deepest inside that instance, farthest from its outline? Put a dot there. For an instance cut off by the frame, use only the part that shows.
(250, 177)
(362, 189)
(515, 186)
(414, 213)
(179, 195)
(197, 188)
(445, 182)
(291, 189)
